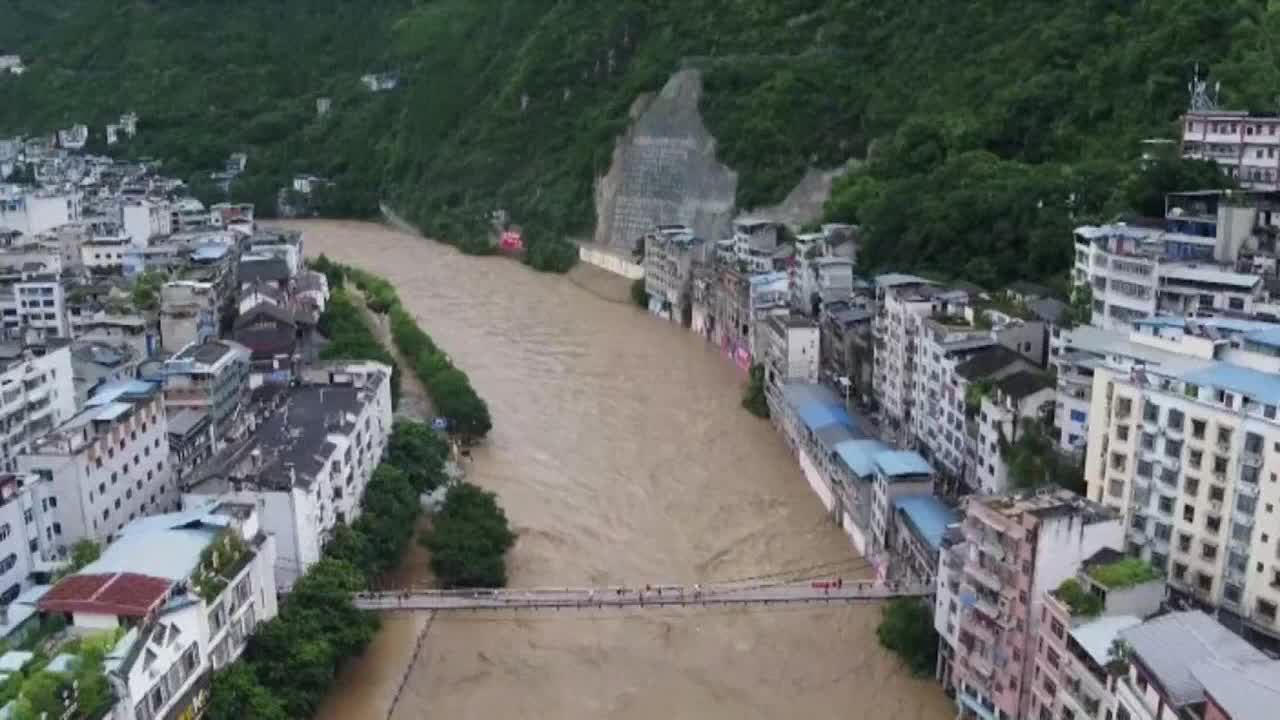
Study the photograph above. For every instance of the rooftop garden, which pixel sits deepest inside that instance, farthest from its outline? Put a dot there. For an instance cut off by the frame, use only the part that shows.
(221, 561)
(1075, 596)
(1123, 573)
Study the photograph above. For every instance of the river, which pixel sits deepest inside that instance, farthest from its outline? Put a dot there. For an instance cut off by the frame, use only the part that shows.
(621, 455)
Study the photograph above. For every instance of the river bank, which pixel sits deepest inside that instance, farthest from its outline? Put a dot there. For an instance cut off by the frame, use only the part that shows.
(622, 456)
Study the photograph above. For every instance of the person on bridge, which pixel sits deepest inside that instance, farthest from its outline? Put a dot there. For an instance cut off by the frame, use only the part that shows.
(839, 583)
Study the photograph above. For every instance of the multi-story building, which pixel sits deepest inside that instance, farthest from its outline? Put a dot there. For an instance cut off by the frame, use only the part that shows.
(1185, 664)
(1246, 146)
(211, 378)
(107, 327)
(1083, 618)
(95, 364)
(307, 460)
(846, 347)
(790, 354)
(1134, 273)
(1005, 406)
(1183, 439)
(958, 446)
(190, 588)
(145, 220)
(189, 313)
(37, 394)
(898, 474)
(753, 246)
(820, 280)
(991, 586)
(920, 523)
(670, 253)
(902, 300)
(34, 212)
(104, 467)
(19, 536)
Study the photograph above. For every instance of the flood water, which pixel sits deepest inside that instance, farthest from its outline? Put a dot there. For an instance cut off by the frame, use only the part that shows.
(621, 455)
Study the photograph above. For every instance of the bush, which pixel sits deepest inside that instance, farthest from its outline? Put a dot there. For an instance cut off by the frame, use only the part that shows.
(906, 628)
(469, 539)
(1081, 601)
(350, 338)
(753, 398)
(639, 295)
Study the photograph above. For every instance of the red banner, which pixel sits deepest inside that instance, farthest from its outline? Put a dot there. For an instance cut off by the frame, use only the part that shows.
(512, 240)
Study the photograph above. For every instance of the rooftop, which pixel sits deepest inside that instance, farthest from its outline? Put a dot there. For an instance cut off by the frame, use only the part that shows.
(1247, 691)
(1257, 385)
(1171, 646)
(902, 463)
(205, 353)
(126, 594)
(988, 361)
(1046, 504)
(1025, 383)
(929, 516)
(1120, 573)
(1096, 636)
(1195, 272)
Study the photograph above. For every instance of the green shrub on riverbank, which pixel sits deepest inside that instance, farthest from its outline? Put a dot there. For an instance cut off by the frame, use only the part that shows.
(350, 338)
(906, 628)
(469, 539)
(753, 398)
(291, 661)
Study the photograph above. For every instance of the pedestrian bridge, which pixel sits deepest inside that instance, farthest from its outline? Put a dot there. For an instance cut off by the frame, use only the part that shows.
(825, 591)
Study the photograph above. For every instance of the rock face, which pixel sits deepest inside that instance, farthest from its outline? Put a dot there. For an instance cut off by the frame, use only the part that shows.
(665, 171)
(806, 201)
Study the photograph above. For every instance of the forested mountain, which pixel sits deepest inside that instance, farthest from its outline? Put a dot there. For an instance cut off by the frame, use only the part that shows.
(992, 125)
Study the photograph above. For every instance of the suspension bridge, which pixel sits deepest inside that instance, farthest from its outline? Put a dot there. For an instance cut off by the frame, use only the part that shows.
(818, 591)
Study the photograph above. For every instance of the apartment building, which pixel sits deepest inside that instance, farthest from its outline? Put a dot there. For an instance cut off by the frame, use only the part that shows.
(753, 246)
(920, 523)
(991, 587)
(211, 378)
(791, 354)
(670, 253)
(104, 467)
(37, 394)
(1134, 273)
(902, 301)
(846, 347)
(1245, 146)
(1083, 617)
(1185, 664)
(1185, 442)
(1005, 405)
(819, 280)
(19, 536)
(306, 460)
(189, 588)
(189, 312)
(145, 220)
(898, 474)
(32, 212)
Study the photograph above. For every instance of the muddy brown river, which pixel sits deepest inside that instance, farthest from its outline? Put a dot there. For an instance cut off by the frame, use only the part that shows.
(621, 455)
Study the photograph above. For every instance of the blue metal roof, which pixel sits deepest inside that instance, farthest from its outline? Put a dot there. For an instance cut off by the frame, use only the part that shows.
(1260, 386)
(110, 393)
(1269, 337)
(860, 455)
(817, 415)
(929, 515)
(897, 463)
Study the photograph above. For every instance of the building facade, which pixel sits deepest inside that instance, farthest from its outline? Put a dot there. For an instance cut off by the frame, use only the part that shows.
(37, 394)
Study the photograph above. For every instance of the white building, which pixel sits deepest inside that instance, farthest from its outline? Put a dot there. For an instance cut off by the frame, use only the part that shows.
(104, 467)
(307, 461)
(74, 137)
(211, 378)
(35, 212)
(188, 313)
(105, 253)
(12, 64)
(1247, 147)
(1183, 439)
(188, 589)
(144, 220)
(19, 536)
(1012, 400)
(1134, 273)
(791, 354)
(36, 395)
(753, 245)
(285, 245)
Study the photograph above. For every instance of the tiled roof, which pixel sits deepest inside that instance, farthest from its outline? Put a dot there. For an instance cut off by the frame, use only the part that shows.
(127, 594)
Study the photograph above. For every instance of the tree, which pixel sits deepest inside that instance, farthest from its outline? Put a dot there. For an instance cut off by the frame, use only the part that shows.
(906, 628)
(1146, 189)
(84, 552)
(146, 290)
(753, 398)
(469, 539)
(236, 694)
(418, 452)
(639, 295)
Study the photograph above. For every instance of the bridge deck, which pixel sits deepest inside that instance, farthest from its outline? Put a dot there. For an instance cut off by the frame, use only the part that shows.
(665, 596)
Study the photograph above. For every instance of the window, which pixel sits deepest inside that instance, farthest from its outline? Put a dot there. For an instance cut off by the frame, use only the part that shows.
(1219, 464)
(1175, 420)
(1213, 524)
(1194, 458)
(1179, 571)
(1224, 434)
(1150, 411)
(1165, 504)
(1115, 488)
(1184, 542)
(1173, 448)
(1192, 486)
(1148, 441)
(1209, 551)
(1204, 581)
(4, 531)
(1189, 512)
(1197, 429)
(1145, 469)
(1122, 431)
(1118, 462)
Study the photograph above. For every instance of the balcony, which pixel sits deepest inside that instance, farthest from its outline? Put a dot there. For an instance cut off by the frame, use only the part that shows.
(1242, 520)
(1247, 489)
(1251, 459)
(1239, 547)
(1173, 433)
(1215, 507)
(1224, 447)
(987, 578)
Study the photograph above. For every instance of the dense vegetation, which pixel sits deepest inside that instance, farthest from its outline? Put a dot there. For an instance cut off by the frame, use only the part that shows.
(291, 660)
(906, 628)
(990, 127)
(350, 338)
(449, 388)
(469, 539)
(753, 398)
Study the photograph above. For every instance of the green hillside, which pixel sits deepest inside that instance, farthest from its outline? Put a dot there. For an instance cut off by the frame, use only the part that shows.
(992, 125)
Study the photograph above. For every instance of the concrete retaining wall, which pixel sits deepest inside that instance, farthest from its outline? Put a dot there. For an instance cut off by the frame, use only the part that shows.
(613, 262)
